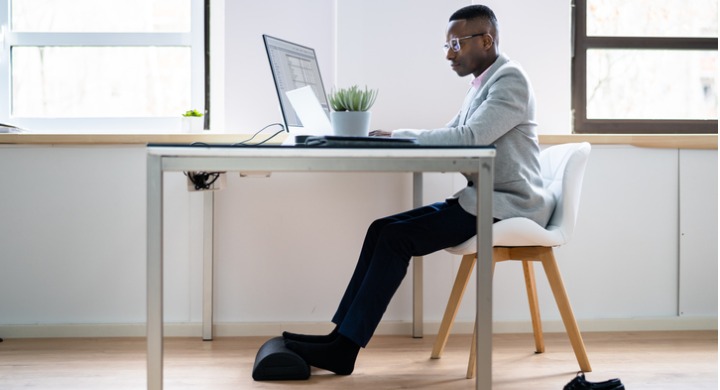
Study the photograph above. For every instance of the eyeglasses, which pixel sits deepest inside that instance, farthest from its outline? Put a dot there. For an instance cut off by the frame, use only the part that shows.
(454, 43)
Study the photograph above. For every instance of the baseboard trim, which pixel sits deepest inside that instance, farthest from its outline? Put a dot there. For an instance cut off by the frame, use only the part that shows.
(385, 328)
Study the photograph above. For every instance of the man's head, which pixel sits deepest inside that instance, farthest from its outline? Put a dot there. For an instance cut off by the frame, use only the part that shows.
(472, 40)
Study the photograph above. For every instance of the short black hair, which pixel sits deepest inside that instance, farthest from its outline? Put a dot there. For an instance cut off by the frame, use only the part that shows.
(474, 12)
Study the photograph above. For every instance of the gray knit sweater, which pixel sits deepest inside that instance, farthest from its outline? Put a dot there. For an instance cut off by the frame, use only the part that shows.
(500, 112)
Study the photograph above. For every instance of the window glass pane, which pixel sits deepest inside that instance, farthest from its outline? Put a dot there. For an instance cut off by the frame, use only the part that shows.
(652, 18)
(101, 15)
(651, 84)
(100, 81)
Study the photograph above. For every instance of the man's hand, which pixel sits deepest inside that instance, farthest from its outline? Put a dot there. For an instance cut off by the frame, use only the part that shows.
(380, 133)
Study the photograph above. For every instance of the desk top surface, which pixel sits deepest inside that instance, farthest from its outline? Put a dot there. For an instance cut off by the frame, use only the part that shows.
(218, 150)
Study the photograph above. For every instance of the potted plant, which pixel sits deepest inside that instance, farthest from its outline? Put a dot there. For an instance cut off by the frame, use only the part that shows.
(351, 115)
(192, 121)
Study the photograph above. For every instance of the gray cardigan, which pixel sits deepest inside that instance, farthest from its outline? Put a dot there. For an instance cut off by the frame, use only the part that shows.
(500, 112)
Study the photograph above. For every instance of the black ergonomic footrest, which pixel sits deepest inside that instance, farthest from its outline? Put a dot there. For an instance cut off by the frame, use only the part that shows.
(274, 362)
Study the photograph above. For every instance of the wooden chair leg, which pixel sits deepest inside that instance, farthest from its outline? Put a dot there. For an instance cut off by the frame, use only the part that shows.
(534, 307)
(461, 281)
(473, 355)
(563, 303)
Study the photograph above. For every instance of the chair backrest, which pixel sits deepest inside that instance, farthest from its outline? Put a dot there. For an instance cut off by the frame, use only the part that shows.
(562, 168)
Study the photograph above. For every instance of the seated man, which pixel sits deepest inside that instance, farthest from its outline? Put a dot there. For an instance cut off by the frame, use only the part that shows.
(499, 109)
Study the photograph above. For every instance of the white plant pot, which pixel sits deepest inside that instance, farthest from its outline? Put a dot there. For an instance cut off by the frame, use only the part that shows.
(192, 124)
(350, 123)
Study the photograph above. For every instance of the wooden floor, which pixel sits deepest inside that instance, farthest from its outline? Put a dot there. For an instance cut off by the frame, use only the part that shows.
(642, 360)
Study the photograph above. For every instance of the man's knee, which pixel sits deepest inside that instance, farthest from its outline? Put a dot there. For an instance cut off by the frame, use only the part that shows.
(377, 226)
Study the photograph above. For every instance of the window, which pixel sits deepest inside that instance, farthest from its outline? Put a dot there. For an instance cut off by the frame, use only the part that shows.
(100, 65)
(645, 66)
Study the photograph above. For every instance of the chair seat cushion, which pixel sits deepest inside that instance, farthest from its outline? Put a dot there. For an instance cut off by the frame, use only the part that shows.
(515, 232)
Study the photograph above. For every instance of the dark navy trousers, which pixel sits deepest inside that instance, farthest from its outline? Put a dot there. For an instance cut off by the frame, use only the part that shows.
(389, 245)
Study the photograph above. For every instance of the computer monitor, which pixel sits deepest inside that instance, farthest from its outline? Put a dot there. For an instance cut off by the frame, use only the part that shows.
(294, 66)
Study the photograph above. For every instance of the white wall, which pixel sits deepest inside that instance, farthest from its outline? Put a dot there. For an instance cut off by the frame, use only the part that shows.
(401, 55)
(250, 101)
(72, 233)
(73, 244)
(393, 46)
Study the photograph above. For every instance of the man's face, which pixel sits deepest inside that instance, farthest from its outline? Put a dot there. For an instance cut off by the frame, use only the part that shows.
(477, 53)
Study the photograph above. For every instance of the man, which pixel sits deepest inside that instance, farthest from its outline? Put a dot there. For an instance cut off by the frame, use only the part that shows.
(499, 109)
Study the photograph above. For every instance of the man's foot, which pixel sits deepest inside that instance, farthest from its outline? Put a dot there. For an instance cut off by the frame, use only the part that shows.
(305, 338)
(337, 356)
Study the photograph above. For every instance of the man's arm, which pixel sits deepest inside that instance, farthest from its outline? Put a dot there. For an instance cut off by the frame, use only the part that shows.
(381, 133)
(505, 103)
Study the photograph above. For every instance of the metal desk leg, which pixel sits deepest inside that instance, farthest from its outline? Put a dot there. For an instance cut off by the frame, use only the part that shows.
(417, 264)
(483, 321)
(154, 273)
(208, 220)
(418, 297)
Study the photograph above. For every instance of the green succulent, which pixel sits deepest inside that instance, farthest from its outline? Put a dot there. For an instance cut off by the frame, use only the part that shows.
(352, 99)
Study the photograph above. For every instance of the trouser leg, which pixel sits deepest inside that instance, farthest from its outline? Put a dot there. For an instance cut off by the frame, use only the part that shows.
(383, 262)
(366, 254)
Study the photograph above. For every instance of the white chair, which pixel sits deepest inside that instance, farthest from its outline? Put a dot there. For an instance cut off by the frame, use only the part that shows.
(562, 169)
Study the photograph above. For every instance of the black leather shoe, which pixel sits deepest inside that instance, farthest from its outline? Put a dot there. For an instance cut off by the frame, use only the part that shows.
(580, 383)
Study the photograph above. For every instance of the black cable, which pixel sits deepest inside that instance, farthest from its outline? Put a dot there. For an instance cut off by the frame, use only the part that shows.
(242, 143)
(202, 180)
(269, 138)
(205, 180)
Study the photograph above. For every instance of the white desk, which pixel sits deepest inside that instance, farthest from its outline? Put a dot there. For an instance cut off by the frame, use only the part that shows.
(477, 161)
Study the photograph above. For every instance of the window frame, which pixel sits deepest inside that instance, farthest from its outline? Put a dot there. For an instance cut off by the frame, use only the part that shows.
(194, 39)
(582, 43)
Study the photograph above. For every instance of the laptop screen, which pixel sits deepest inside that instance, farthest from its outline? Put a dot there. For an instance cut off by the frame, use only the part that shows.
(294, 66)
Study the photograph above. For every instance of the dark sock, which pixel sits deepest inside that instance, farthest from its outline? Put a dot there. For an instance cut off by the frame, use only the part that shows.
(337, 356)
(305, 338)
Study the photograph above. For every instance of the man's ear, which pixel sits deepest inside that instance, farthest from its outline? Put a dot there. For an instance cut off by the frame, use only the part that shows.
(488, 41)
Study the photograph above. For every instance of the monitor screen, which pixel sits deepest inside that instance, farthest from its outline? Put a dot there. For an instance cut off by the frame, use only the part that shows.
(294, 66)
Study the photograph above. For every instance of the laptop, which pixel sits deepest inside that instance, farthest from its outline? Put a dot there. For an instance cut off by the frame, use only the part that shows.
(303, 100)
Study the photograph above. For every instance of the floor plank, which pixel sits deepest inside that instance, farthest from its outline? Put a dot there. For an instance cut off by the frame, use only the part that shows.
(642, 360)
